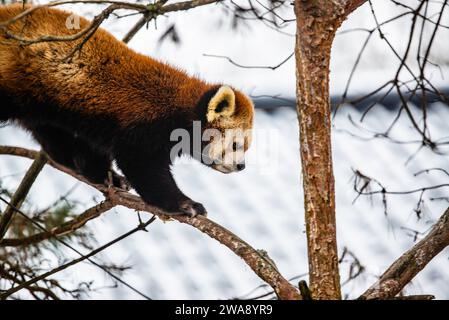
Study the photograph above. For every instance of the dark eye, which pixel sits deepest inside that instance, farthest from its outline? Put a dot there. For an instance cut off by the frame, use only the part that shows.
(234, 146)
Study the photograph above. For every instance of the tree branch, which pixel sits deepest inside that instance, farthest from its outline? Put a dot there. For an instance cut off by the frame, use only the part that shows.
(32, 154)
(22, 191)
(32, 289)
(186, 5)
(139, 24)
(64, 229)
(404, 269)
(32, 281)
(260, 264)
(351, 5)
(160, 8)
(149, 12)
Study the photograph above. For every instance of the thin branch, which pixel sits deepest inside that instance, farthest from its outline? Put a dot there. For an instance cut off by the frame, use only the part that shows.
(22, 191)
(105, 269)
(139, 24)
(88, 31)
(48, 293)
(415, 297)
(259, 263)
(147, 17)
(75, 261)
(149, 12)
(32, 154)
(251, 67)
(62, 230)
(404, 269)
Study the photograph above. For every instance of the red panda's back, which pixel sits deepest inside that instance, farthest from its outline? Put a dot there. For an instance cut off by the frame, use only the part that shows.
(56, 69)
(104, 77)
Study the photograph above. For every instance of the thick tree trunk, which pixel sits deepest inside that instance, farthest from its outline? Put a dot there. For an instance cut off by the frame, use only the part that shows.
(317, 23)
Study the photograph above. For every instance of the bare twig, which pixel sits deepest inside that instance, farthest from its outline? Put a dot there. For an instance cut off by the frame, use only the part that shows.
(186, 5)
(158, 9)
(139, 24)
(313, 109)
(64, 229)
(32, 154)
(149, 12)
(304, 289)
(22, 191)
(105, 269)
(415, 297)
(31, 9)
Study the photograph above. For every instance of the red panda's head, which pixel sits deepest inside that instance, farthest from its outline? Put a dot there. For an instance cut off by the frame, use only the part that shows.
(229, 117)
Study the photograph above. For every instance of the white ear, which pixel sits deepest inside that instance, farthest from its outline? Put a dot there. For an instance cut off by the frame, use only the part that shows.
(222, 104)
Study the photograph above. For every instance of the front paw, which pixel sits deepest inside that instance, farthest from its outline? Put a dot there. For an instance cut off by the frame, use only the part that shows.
(192, 208)
(117, 181)
(120, 182)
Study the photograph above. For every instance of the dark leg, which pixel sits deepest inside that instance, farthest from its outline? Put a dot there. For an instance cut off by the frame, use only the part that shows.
(3, 115)
(150, 175)
(74, 153)
(6, 107)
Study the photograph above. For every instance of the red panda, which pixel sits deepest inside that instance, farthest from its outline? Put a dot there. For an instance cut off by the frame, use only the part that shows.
(108, 103)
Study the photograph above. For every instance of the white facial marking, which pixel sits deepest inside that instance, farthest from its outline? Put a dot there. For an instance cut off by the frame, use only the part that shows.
(228, 151)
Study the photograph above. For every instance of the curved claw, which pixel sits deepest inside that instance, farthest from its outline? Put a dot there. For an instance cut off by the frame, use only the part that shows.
(192, 208)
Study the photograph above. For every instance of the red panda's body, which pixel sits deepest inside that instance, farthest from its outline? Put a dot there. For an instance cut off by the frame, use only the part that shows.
(106, 103)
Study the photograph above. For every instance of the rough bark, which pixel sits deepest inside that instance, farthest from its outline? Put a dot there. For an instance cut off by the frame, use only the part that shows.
(317, 23)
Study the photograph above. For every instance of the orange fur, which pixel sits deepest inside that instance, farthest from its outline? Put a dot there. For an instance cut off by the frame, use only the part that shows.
(106, 70)
(108, 103)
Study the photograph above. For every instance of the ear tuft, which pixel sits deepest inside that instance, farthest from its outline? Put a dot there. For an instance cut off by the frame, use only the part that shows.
(222, 104)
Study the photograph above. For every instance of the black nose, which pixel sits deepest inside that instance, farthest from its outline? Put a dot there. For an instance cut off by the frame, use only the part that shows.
(240, 166)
